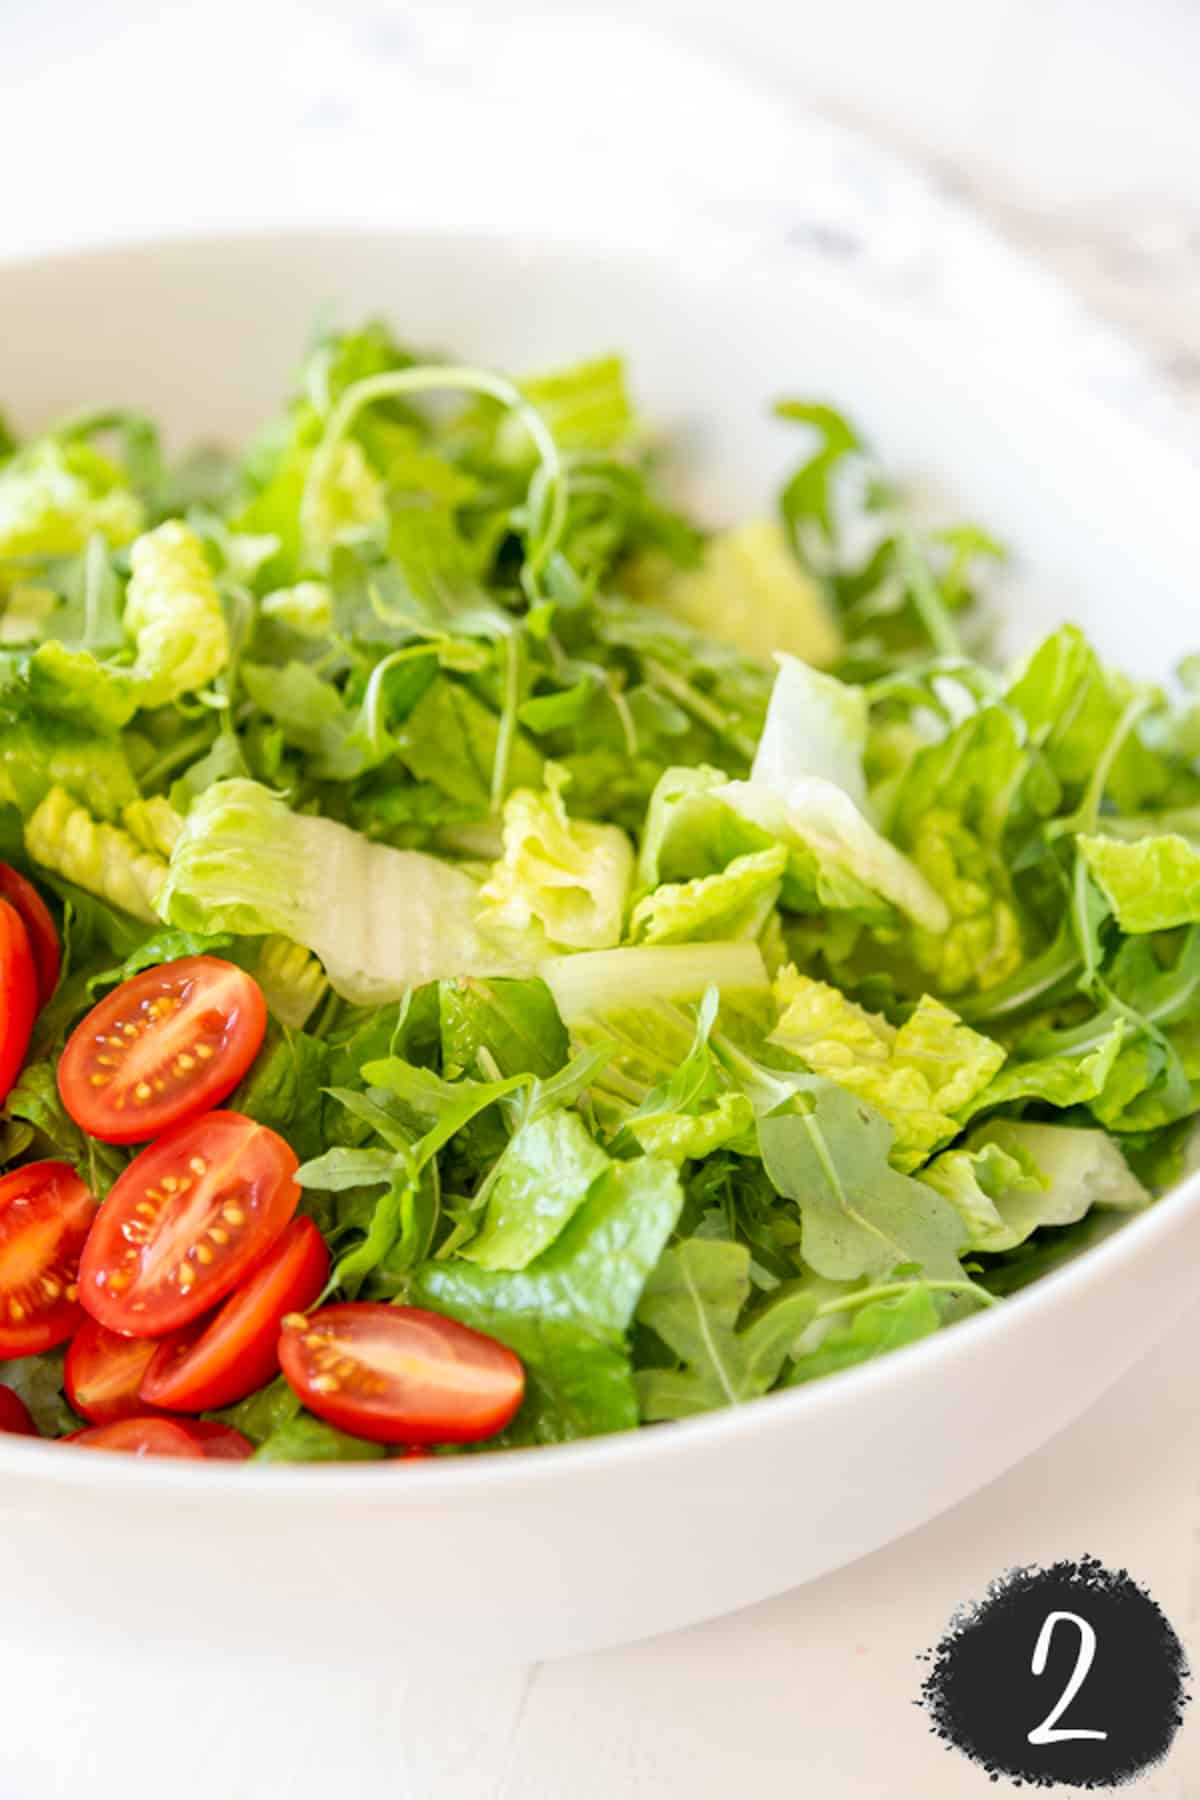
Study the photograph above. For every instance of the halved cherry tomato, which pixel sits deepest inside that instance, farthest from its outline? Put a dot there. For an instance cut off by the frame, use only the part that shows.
(15, 1416)
(220, 1443)
(45, 1214)
(103, 1372)
(39, 927)
(399, 1375)
(164, 1046)
(191, 1216)
(18, 995)
(140, 1437)
(224, 1358)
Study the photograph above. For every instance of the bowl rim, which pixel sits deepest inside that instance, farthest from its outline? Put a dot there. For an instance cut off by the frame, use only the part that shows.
(1161, 473)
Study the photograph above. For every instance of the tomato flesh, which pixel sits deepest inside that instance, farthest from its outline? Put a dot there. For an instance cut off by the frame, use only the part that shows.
(103, 1373)
(224, 1358)
(161, 1048)
(140, 1436)
(18, 995)
(400, 1375)
(15, 1416)
(220, 1443)
(45, 1215)
(192, 1215)
(24, 898)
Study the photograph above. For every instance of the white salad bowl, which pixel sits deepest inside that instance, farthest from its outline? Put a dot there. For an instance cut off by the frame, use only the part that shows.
(532, 1553)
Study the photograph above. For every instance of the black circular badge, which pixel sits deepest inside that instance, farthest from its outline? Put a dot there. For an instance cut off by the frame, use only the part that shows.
(1069, 1675)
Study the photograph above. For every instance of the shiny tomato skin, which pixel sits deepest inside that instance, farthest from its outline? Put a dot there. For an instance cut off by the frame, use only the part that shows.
(163, 1047)
(400, 1375)
(45, 1216)
(24, 898)
(15, 1416)
(220, 1443)
(140, 1436)
(103, 1373)
(18, 995)
(226, 1357)
(192, 1216)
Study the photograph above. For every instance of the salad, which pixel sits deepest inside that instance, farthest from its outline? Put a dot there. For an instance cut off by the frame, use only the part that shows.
(487, 961)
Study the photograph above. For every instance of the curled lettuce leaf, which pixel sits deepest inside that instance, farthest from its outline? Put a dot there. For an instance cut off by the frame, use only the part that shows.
(292, 980)
(173, 613)
(61, 835)
(734, 904)
(569, 875)
(1010, 1177)
(919, 1076)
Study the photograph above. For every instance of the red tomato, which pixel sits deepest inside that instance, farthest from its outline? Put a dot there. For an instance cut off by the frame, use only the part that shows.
(220, 1443)
(224, 1358)
(191, 1216)
(104, 1371)
(15, 1416)
(140, 1436)
(164, 1046)
(39, 928)
(18, 995)
(398, 1375)
(45, 1214)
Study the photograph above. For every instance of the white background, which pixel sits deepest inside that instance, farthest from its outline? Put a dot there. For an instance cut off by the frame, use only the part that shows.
(1030, 167)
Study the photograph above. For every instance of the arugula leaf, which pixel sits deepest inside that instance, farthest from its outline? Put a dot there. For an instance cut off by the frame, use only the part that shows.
(35, 1099)
(873, 1330)
(858, 1216)
(693, 1302)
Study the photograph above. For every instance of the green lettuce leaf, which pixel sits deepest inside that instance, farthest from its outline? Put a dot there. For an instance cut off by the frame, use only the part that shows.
(567, 1313)
(538, 1185)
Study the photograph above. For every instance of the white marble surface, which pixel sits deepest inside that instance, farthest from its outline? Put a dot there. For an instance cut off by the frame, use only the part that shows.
(1025, 168)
